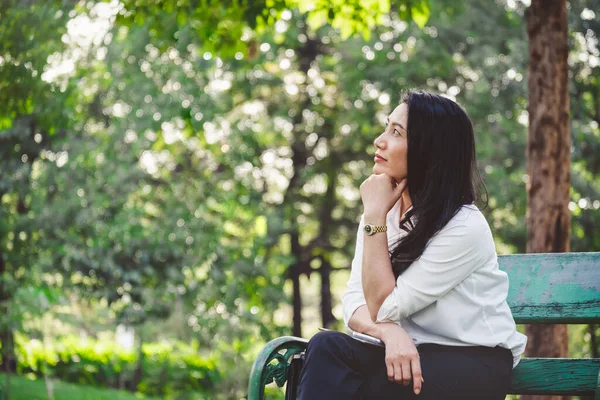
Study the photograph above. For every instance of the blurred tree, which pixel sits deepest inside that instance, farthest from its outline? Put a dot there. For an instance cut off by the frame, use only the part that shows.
(229, 27)
(548, 154)
(32, 115)
(584, 85)
(456, 48)
(230, 35)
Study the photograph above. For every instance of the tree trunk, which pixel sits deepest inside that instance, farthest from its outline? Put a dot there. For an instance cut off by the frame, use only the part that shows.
(139, 369)
(326, 222)
(593, 341)
(326, 304)
(548, 156)
(7, 340)
(6, 332)
(296, 269)
(307, 53)
(296, 303)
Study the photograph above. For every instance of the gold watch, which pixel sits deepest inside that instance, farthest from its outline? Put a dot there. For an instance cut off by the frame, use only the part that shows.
(371, 229)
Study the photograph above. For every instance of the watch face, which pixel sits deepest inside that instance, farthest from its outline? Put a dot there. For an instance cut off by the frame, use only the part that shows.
(368, 229)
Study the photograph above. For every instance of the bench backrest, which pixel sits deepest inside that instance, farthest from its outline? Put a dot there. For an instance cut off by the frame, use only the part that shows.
(553, 288)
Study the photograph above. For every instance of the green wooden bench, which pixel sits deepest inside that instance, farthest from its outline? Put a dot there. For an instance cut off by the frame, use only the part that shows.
(559, 288)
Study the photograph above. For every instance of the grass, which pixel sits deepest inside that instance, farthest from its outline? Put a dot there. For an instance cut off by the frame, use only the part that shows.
(22, 388)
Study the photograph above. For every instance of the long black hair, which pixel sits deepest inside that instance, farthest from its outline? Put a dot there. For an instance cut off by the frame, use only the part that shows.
(442, 171)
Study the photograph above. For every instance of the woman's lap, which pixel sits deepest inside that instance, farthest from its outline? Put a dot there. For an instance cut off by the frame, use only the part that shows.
(463, 373)
(340, 367)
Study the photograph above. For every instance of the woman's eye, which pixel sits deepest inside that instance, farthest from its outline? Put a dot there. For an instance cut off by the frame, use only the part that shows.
(395, 132)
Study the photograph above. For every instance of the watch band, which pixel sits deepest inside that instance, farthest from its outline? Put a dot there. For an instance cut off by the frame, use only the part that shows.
(371, 229)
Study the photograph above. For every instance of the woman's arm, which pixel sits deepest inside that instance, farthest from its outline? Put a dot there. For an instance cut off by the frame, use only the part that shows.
(379, 193)
(361, 322)
(378, 280)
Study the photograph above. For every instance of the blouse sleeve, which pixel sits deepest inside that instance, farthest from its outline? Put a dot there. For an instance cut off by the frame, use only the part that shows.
(450, 256)
(353, 297)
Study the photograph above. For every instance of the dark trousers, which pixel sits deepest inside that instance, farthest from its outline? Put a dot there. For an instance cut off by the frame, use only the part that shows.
(339, 367)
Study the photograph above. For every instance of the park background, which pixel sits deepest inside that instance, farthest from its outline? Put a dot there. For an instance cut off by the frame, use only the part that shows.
(179, 179)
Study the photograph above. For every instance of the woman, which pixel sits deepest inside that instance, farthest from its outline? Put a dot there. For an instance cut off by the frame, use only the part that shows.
(425, 277)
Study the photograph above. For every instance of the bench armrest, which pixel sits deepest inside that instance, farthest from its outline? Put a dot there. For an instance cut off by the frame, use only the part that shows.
(264, 371)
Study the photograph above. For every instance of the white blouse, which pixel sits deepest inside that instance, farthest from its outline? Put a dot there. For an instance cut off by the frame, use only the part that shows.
(453, 295)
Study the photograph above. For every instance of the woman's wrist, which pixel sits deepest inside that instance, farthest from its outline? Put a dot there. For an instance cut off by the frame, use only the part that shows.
(373, 330)
(375, 217)
(387, 328)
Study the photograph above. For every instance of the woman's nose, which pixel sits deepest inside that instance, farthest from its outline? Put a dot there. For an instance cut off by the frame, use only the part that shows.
(378, 142)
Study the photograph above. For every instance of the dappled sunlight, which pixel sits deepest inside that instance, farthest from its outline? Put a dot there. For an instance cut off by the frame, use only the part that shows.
(175, 196)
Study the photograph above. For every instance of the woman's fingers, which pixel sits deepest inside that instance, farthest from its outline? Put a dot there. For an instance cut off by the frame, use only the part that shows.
(406, 372)
(416, 375)
(390, 369)
(401, 357)
(395, 370)
(398, 372)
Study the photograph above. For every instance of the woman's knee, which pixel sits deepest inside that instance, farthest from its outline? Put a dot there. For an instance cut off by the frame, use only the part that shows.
(329, 370)
(326, 340)
(329, 342)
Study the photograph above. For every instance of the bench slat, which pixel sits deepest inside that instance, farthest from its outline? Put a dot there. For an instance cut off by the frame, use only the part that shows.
(560, 376)
(553, 287)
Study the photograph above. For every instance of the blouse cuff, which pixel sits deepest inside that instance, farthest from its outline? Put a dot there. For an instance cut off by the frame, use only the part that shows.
(388, 312)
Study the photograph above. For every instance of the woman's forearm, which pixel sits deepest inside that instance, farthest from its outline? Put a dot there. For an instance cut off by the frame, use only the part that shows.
(361, 322)
(377, 276)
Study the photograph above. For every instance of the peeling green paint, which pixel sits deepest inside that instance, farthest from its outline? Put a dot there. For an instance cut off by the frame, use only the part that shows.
(560, 376)
(553, 288)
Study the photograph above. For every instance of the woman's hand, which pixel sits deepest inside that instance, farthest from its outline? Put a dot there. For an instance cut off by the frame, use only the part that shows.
(380, 192)
(401, 356)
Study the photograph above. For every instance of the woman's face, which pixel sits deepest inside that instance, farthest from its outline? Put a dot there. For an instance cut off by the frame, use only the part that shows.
(392, 145)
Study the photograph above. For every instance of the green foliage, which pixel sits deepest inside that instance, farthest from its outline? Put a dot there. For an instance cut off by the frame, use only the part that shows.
(585, 130)
(23, 92)
(170, 370)
(229, 27)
